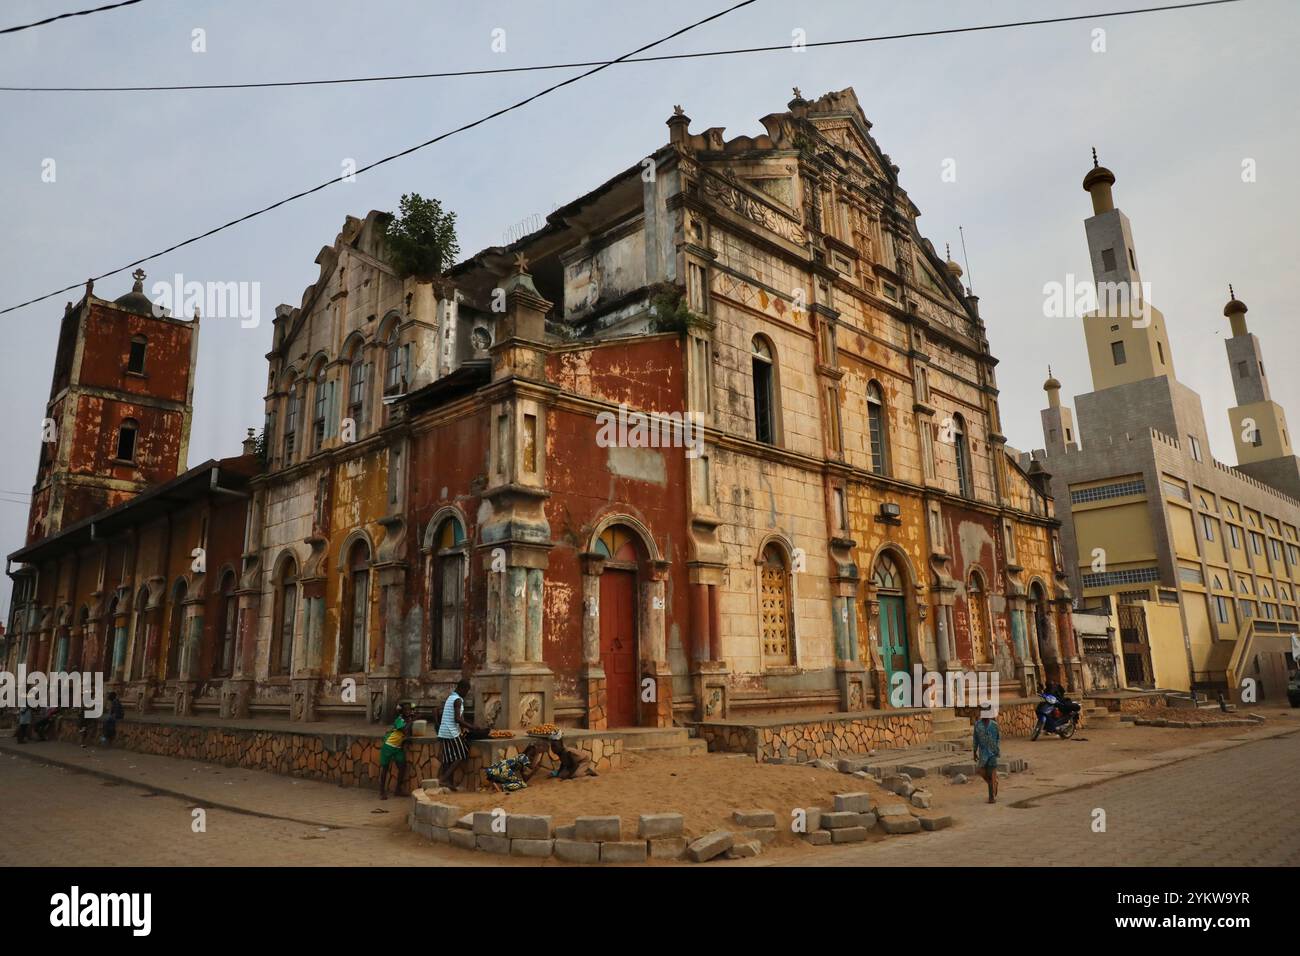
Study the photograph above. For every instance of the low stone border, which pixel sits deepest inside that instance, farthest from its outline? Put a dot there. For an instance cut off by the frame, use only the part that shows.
(348, 759)
(660, 836)
(1193, 724)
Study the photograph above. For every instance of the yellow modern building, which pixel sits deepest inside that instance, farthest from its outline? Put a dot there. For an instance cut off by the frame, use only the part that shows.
(1202, 559)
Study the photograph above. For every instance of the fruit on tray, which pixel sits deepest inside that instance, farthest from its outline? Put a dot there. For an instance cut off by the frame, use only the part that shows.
(543, 730)
(499, 734)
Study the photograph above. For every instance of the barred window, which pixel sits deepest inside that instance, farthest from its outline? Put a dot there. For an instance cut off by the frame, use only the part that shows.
(1126, 576)
(1102, 492)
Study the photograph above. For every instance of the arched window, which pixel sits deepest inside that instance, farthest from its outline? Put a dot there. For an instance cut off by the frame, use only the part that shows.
(886, 576)
(320, 406)
(450, 563)
(286, 614)
(395, 356)
(961, 449)
(357, 380)
(176, 629)
(228, 622)
(774, 608)
(126, 435)
(879, 432)
(353, 643)
(140, 634)
(290, 420)
(617, 544)
(763, 362)
(135, 361)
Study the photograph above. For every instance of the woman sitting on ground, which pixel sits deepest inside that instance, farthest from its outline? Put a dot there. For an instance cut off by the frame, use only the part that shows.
(513, 773)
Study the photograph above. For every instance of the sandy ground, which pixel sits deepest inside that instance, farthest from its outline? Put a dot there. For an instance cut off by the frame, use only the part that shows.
(706, 789)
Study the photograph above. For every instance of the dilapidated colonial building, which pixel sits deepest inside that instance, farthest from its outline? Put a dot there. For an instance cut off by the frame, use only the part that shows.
(721, 438)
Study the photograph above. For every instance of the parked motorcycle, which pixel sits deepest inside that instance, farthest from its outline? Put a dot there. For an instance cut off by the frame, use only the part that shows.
(1056, 716)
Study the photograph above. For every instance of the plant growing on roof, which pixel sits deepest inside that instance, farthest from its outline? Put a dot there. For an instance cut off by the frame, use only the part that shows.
(670, 313)
(421, 238)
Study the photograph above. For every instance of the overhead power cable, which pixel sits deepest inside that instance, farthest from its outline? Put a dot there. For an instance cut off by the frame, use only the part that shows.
(597, 66)
(387, 159)
(490, 71)
(64, 16)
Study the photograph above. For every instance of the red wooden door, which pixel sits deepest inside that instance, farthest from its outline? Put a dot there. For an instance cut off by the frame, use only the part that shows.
(618, 645)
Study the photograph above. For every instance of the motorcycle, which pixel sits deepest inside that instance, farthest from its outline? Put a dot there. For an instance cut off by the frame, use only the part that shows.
(1056, 717)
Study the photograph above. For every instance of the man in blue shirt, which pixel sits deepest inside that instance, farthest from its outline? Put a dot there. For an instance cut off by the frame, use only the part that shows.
(988, 749)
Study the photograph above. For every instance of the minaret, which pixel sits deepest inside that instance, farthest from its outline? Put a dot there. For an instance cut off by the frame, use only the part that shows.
(1058, 420)
(1258, 423)
(1126, 335)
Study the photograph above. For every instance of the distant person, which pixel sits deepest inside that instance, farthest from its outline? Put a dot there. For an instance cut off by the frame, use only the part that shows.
(513, 773)
(111, 717)
(988, 749)
(43, 721)
(24, 723)
(393, 750)
(573, 762)
(453, 731)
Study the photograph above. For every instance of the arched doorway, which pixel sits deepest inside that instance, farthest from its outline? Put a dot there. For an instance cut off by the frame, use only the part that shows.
(774, 607)
(1038, 612)
(618, 623)
(176, 629)
(140, 633)
(978, 607)
(889, 581)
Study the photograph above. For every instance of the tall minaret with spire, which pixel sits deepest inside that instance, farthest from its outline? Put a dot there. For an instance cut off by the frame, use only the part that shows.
(1259, 428)
(1126, 336)
(1058, 419)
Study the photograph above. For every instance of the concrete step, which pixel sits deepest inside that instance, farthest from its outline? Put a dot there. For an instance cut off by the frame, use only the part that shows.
(634, 738)
(670, 748)
(952, 723)
(953, 736)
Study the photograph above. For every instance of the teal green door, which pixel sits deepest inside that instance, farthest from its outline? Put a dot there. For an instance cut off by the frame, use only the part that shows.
(893, 634)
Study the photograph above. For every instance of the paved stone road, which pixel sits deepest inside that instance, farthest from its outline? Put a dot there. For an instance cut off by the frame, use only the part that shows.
(1236, 807)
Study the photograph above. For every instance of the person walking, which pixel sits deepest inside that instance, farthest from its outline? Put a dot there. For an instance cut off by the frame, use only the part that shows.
(452, 731)
(988, 749)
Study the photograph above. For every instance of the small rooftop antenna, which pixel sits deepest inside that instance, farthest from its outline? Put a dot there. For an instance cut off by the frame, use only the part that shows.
(970, 280)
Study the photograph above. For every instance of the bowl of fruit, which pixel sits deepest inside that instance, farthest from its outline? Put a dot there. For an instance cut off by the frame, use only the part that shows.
(548, 731)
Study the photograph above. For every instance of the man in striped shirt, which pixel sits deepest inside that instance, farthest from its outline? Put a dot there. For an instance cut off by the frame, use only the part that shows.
(452, 730)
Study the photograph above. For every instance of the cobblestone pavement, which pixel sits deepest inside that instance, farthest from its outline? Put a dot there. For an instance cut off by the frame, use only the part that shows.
(1233, 807)
(1232, 802)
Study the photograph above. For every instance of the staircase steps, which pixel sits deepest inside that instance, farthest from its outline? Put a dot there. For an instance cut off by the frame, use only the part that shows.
(663, 742)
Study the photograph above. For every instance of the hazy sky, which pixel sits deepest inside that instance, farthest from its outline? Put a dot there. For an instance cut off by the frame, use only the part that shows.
(1174, 105)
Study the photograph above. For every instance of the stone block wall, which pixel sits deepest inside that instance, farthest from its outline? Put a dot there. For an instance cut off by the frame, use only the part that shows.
(349, 760)
(810, 739)
(1015, 718)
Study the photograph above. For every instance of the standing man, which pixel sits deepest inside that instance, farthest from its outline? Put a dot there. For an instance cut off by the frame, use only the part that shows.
(988, 749)
(24, 722)
(394, 750)
(111, 718)
(452, 730)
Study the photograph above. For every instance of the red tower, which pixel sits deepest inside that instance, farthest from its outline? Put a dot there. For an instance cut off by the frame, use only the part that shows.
(118, 416)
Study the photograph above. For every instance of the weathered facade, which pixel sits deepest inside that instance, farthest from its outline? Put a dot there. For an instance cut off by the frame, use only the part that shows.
(721, 438)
